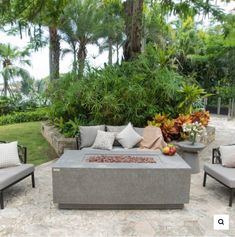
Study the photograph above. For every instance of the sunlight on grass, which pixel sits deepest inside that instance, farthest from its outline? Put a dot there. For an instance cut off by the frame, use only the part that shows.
(29, 135)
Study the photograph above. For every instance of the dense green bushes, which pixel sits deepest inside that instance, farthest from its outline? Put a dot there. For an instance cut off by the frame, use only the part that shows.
(20, 117)
(17, 104)
(118, 95)
(6, 105)
(134, 91)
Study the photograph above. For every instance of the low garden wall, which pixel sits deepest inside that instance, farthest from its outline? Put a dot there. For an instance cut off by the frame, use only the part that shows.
(58, 141)
(209, 137)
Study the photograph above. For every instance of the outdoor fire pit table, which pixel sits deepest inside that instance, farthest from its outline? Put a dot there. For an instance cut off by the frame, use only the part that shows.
(98, 179)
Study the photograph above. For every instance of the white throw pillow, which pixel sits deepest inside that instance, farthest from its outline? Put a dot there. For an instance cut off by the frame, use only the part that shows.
(9, 155)
(104, 140)
(128, 137)
(228, 156)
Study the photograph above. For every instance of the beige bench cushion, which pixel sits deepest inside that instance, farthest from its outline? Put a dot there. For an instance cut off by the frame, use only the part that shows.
(223, 174)
(12, 174)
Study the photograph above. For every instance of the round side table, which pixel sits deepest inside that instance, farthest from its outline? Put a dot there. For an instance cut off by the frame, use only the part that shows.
(190, 154)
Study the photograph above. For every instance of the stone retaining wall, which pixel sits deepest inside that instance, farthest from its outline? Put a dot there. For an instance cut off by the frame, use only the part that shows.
(56, 139)
(209, 137)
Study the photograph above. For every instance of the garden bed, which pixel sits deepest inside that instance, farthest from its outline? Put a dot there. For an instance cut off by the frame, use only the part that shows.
(209, 137)
(57, 140)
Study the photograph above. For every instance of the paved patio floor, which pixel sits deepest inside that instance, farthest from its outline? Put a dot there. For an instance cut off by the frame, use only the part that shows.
(31, 212)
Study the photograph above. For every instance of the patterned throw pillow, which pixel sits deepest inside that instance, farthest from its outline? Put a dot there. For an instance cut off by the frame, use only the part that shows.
(128, 137)
(104, 140)
(9, 155)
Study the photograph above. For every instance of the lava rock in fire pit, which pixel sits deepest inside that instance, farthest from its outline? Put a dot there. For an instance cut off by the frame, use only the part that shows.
(120, 159)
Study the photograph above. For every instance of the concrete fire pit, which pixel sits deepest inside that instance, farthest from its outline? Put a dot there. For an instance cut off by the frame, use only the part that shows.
(78, 183)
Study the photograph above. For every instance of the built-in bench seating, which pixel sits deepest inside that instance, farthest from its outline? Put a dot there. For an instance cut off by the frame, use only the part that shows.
(12, 175)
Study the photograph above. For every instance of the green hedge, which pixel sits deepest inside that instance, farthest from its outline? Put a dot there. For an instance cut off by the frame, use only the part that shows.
(131, 92)
(20, 117)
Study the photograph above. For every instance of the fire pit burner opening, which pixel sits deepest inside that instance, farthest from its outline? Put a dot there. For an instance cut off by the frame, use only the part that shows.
(120, 159)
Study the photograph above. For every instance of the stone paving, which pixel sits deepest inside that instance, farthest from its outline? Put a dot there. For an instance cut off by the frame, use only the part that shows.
(31, 212)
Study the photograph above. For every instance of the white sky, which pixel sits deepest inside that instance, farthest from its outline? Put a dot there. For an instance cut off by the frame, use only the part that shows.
(40, 59)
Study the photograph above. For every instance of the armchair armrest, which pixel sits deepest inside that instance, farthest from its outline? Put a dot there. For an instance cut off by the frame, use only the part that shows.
(216, 156)
(22, 151)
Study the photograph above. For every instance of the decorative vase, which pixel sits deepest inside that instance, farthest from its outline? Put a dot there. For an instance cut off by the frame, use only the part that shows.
(193, 138)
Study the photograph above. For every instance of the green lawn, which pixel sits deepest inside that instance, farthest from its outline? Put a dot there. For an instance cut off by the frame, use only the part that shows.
(29, 135)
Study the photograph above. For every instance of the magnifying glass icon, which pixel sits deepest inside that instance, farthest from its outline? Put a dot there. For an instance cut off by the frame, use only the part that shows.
(221, 221)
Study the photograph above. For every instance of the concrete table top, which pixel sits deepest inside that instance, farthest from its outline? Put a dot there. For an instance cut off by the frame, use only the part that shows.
(77, 159)
(187, 146)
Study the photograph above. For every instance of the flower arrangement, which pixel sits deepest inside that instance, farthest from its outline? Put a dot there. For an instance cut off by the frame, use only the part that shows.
(193, 129)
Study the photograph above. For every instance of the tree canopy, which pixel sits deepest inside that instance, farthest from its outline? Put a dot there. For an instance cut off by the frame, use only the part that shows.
(131, 24)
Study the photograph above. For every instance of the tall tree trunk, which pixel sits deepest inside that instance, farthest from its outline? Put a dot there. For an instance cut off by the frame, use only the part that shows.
(54, 53)
(117, 48)
(110, 51)
(5, 88)
(74, 60)
(133, 21)
(82, 53)
(5, 64)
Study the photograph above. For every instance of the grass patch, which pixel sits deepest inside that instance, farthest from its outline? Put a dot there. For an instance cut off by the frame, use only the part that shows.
(29, 135)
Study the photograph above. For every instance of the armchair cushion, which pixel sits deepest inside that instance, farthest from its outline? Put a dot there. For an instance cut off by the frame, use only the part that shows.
(9, 155)
(11, 174)
(227, 155)
(223, 174)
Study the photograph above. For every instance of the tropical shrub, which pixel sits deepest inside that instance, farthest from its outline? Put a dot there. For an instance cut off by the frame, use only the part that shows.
(64, 99)
(70, 128)
(190, 95)
(18, 103)
(202, 117)
(5, 105)
(133, 91)
(20, 117)
(172, 129)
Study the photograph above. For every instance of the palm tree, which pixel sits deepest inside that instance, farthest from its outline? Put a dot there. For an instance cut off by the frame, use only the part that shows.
(46, 13)
(10, 57)
(69, 37)
(134, 24)
(112, 28)
(81, 26)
